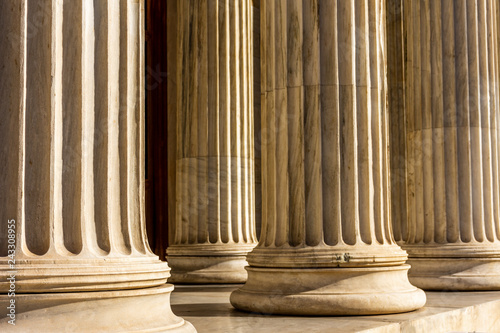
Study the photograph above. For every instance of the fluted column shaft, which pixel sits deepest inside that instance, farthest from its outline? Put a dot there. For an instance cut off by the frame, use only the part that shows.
(325, 177)
(452, 107)
(215, 219)
(72, 150)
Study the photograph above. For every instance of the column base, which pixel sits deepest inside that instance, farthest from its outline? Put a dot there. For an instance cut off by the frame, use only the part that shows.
(328, 291)
(215, 269)
(138, 310)
(76, 274)
(461, 274)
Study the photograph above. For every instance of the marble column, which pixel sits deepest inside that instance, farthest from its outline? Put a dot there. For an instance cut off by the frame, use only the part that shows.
(326, 246)
(215, 218)
(453, 237)
(72, 185)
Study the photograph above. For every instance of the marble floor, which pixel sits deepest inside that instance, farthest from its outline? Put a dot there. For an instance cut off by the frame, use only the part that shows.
(207, 307)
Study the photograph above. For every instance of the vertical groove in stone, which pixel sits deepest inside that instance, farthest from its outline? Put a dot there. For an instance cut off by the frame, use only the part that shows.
(248, 181)
(348, 134)
(493, 105)
(203, 119)
(215, 199)
(265, 64)
(378, 128)
(123, 122)
(473, 105)
(400, 122)
(385, 129)
(256, 99)
(224, 122)
(78, 125)
(452, 100)
(312, 121)
(330, 145)
(409, 105)
(289, 72)
(235, 114)
(325, 178)
(427, 136)
(105, 135)
(136, 135)
(171, 117)
(181, 197)
(13, 15)
(39, 120)
(496, 42)
(463, 134)
(139, 231)
(193, 120)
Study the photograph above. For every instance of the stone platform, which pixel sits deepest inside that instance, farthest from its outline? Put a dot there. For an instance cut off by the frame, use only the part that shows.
(207, 307)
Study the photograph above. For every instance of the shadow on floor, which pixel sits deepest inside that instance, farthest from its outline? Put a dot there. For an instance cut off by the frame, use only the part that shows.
(213, 310)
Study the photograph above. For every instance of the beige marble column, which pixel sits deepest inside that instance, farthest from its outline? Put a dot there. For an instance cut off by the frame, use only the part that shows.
(215, 218)
(327, 246)
(72, 152)
(453, 237)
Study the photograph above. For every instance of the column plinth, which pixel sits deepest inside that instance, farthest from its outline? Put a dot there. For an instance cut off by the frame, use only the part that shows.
(453, 197)
(215, 192)
(93, 312)
(328, 291)
(209, 263)
(326, 246)
(73, 245)
(457, 267)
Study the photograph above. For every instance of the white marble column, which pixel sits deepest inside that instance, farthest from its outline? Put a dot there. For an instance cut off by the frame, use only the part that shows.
(326, 246)
(72, 152)
(215, 218)
(453, 237)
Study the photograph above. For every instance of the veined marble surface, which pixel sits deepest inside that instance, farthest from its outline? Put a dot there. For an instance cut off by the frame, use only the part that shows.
(208, 309)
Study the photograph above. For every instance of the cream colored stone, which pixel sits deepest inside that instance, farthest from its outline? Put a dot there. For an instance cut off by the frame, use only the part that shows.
(328, 291)
(72, 134)
(79, 161)
(138, 310)
(326, 245)
(208, 308)
(214, 226)
(453, 190)
(211, 263)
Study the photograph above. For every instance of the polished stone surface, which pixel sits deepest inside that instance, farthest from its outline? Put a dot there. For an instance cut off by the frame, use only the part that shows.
(208, 309)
